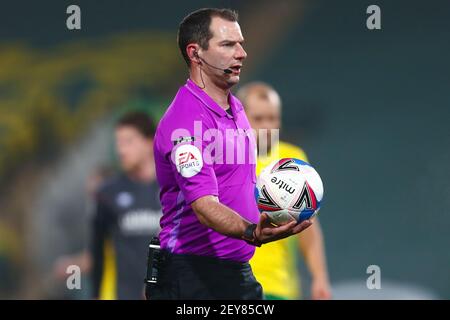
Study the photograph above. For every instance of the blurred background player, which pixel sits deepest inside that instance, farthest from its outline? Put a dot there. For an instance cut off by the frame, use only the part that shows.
(127, 214)
(274, 263)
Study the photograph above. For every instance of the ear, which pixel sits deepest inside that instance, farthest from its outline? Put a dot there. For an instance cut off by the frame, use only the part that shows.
(192, 51)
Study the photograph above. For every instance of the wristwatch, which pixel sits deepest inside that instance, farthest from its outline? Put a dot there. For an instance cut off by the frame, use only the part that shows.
(249, 235)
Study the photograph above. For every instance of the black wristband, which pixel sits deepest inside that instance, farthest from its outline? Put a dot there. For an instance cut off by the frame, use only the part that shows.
(249, 235)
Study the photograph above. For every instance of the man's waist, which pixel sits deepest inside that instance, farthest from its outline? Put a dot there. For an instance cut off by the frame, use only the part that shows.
(203, 260)
(206, 243)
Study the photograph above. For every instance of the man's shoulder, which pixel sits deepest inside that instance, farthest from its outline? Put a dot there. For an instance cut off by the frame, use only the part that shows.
(184, 107)
(185, 117)
(110, 186)
(179, 102)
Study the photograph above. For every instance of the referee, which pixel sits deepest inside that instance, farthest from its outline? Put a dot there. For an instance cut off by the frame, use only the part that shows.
(205, 165)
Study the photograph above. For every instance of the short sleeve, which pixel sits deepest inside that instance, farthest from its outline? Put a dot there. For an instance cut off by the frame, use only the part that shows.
(187, 154)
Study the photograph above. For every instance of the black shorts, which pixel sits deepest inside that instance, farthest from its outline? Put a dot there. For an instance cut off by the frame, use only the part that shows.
(194, 277)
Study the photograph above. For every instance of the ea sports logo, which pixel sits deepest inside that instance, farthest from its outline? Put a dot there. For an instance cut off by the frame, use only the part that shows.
(188, 160)
(185, 157)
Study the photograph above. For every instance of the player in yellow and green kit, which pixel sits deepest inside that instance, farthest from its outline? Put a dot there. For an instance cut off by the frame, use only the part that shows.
(274, 264)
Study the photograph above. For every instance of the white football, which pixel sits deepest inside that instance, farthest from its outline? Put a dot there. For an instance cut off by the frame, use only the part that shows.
(289, 189)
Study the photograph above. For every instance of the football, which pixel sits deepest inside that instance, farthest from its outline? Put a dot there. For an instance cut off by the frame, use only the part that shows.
(289, 189)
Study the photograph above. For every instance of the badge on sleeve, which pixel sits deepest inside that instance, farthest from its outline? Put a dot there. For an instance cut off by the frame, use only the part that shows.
(188, 160)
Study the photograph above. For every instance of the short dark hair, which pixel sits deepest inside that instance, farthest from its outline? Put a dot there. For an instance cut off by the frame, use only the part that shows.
(139, 120)
(194, 28)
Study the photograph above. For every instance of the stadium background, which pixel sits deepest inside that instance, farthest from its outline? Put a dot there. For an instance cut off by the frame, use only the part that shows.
(371, 109)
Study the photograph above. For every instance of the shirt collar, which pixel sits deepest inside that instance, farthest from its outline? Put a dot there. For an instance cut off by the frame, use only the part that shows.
(235, 105)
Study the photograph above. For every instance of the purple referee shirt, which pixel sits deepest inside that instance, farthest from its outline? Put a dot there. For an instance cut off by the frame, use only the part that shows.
(200, 149)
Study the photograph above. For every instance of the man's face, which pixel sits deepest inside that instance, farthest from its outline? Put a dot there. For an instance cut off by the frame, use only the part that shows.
(225, 51)
(132, 147)
(263, 113)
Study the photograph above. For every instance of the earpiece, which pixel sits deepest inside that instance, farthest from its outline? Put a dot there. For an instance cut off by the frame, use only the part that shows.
(197, 56)
(200, 60)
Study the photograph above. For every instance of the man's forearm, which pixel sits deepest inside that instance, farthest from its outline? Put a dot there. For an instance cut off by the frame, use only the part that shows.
(219, 217)
(224, 220)
(312, 247)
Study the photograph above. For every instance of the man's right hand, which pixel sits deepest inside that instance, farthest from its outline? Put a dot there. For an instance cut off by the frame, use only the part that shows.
(266, 232)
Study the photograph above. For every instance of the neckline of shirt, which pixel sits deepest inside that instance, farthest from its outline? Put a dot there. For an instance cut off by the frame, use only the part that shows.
(210, 103)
